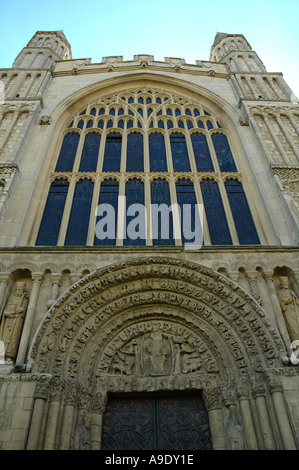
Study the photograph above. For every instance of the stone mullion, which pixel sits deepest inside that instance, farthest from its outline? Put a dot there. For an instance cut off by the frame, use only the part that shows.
(175, 214)
(66, 212)
(205, 229)
(121, 216)
(228, 213)
(147, 203)
(92, 218)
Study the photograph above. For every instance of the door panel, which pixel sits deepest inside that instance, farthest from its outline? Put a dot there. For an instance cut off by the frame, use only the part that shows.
(156, 423)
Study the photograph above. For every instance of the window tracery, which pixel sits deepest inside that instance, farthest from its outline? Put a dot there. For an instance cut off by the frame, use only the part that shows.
(146, 132)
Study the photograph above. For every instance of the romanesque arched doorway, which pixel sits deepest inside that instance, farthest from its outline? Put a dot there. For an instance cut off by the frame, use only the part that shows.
(153, 325)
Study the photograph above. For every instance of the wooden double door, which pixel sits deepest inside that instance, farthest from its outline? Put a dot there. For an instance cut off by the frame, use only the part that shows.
(156, 422)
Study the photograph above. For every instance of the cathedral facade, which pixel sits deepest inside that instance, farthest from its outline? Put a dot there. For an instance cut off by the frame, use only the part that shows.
(149, 229)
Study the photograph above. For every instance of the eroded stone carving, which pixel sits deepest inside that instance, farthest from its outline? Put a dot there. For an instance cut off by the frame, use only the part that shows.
(12, 321)
(289, 304)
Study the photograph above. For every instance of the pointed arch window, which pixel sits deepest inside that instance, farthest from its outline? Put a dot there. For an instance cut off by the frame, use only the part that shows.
(68, 152)
(180, 157)
(89, 156)
(80, 212)
(223, 152)
(53, 212)
(201, 152)
(216, 218)
(112, 155)
(162, 220)
(157, 152)
(135, 152)
(241, 213)
(109, 192)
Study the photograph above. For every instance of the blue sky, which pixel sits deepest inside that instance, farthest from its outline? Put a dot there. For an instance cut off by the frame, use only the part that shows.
(163, 28)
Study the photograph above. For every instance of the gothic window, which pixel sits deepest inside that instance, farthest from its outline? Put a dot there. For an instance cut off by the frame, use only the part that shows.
(215, 214)
(157, 152)
(201, 152)
(162, 220)
(112, 153)
(186, 196)
(223, 152)
(50, 224)
(135, 215)
(135, 152)
(180, 156)
(89, 157)
(68, 153)
(80, 212)
(241, 213)
(107, 140)
(105, 233)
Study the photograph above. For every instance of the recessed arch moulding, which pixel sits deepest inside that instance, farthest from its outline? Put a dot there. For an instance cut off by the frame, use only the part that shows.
(155, 324)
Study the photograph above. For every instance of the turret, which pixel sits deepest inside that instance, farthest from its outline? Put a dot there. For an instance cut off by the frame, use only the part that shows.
(235, 51)
(44, 50)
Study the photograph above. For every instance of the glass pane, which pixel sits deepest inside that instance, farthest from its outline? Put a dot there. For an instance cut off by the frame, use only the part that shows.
(135, 223)
(50, 224)
(157, 152)
(108, 195)
(217, 223)
(201, 152)
(160, 194)
(223, 152)
(135, 152)
(67, 153)
(89, 157)
(79, 217)
(186, 195)
(241, 213)
(112, 153)
(179, 152)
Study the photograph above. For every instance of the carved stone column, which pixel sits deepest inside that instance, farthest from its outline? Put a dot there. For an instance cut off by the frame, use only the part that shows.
(276, 390)
(82, 433)
(243, 394)
(40, 396)
(212, 401)
(55, 393)
(55, 289)
(4, 280)
(37, 279)
(233, 428)
(70, 401)
(252, 279)
(259, 394)
(98, 405)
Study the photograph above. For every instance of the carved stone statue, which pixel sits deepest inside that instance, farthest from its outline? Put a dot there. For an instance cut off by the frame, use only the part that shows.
(12, 321)
(289, 304)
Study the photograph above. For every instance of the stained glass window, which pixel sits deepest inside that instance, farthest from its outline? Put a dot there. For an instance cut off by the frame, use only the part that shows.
(241, 213)
(217, 223)
(201, 152)
(135, 221)
(67, 153)
(79, 217)
(179, 152)
(135, 152)
(162, 221)
(223, 152)
(107, 218)
(186, 196)
(157, 153)
(50, 224)
(112, 153)
(89, 157)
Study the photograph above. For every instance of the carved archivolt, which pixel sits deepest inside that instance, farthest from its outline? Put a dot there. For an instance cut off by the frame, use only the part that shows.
(154, 319)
